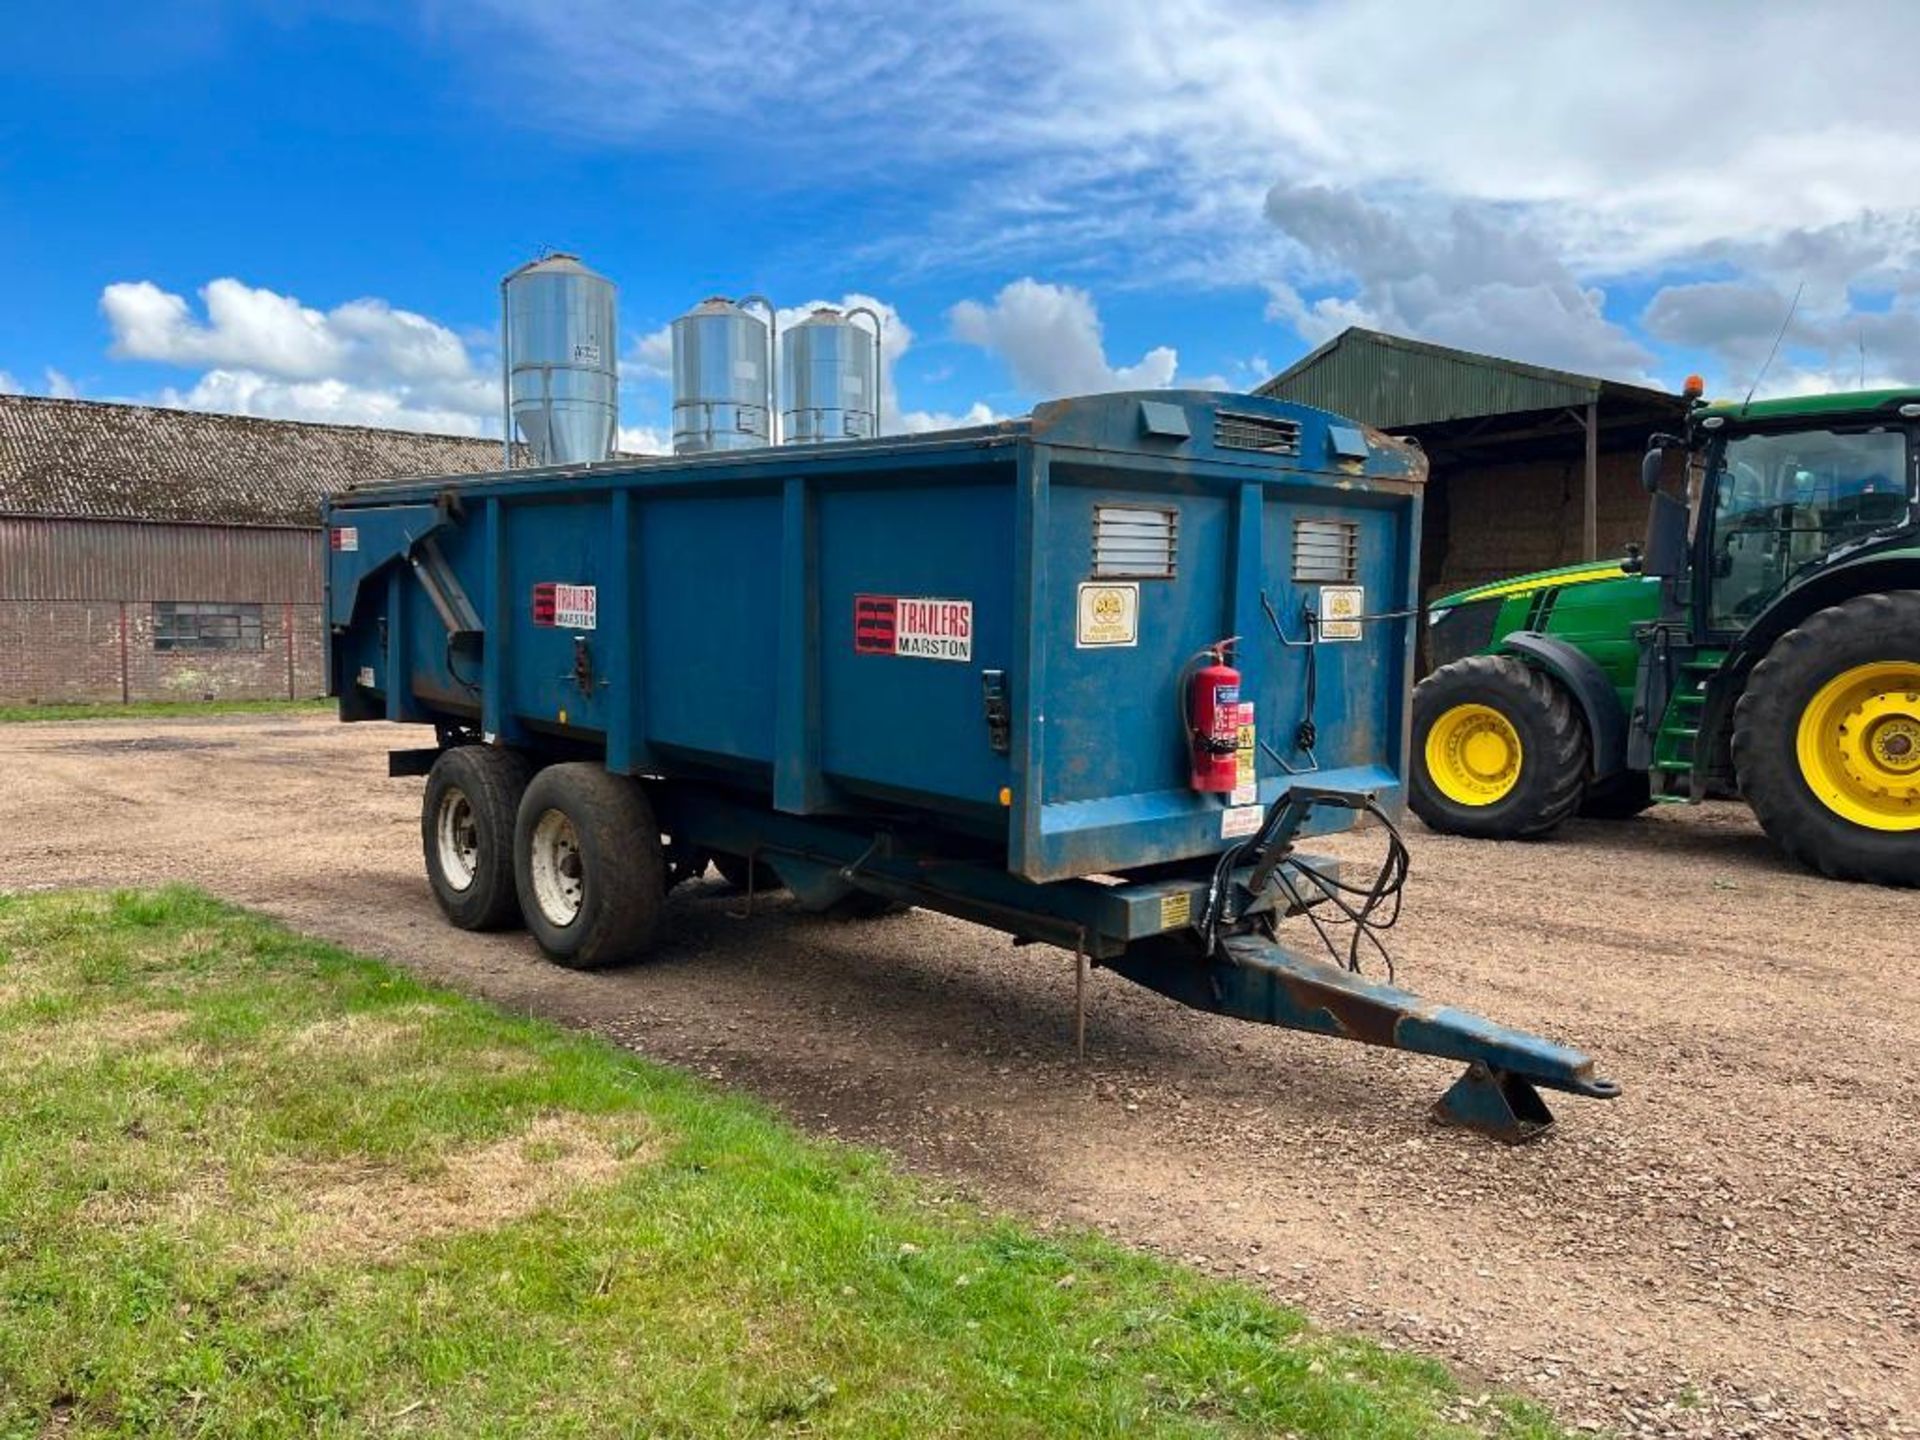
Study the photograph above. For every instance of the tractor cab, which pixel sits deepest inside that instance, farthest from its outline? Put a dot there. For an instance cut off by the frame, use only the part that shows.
(1780, 489)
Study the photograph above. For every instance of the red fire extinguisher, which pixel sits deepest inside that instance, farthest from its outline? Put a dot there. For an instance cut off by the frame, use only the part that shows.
(1213, 720)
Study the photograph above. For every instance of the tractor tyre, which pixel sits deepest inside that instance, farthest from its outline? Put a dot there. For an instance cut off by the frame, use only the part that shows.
(589, 866)
(1826, 740)
(466, 831)
(1619, 797)
(1499, 753)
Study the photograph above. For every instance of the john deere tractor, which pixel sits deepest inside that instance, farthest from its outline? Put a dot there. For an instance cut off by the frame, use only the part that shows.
(1764, 641)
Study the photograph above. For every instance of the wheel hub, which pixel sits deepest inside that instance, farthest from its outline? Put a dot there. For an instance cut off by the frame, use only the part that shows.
(1859, 745)
(557, 869)
(457, 839)
(1473, 755)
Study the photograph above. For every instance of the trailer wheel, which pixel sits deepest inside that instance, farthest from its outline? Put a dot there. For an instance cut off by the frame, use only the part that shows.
(589, 866)
(1498, 751)
(466, 831)
(1826, 740)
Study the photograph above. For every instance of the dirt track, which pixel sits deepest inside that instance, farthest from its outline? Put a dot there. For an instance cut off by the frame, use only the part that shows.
(1730, 1249)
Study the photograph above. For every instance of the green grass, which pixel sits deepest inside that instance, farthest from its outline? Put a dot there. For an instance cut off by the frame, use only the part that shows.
(252, 1185)
(160, 709)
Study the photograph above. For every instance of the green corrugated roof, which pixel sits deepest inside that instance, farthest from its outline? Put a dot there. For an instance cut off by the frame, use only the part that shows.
(1393, 383)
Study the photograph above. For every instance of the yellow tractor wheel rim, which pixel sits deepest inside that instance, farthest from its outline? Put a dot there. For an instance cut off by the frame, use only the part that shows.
(1859, 745)
(1473, 755)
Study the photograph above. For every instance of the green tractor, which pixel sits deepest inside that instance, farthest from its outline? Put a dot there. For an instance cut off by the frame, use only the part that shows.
(1765, 642)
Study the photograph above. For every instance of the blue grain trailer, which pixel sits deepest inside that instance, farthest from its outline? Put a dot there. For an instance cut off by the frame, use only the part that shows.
(981, 671)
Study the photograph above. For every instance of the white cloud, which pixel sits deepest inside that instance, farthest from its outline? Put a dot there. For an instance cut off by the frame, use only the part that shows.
(1466, 274)
(651, 355)
(258, 329)
(1052, 341)
(1827, 344)
(54, 383)
(1634, 124)
(1137, 140)
(643, 440)
(919, 422)
(262, 331)
(331, 400)
(363, 362)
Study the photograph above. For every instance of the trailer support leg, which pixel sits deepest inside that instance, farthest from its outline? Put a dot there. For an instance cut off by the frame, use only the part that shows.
(1494, 1103)
(1080, 996)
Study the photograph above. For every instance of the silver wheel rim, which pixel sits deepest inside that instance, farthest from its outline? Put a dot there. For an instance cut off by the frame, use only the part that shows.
(557, 870)
(457, 838)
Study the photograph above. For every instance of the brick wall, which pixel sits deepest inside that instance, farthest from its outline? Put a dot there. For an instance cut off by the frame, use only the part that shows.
(67, 651)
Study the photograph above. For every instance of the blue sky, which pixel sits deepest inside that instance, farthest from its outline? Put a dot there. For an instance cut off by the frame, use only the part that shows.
(305, 209)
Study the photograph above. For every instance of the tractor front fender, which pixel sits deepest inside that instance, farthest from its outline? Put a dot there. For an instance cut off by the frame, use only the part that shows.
(1591, 691)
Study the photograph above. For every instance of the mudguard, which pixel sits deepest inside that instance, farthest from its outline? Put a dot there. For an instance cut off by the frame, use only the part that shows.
(1591, 691)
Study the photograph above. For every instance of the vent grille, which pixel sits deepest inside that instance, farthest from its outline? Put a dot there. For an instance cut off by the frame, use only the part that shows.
(1256, 432)
(1326, 552)
(1133, 542)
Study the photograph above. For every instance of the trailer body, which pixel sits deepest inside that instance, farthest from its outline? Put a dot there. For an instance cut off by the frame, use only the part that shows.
(948, 669)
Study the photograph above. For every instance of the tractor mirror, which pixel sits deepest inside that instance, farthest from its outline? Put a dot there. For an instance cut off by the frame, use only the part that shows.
(1666, 551)
(1651, 466)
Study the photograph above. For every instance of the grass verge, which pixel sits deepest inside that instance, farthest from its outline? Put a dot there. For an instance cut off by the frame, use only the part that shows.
(160, 709)
(251, 1184)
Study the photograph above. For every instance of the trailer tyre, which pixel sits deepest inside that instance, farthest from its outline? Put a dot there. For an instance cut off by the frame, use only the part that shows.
(1826, 740)
(466, 831)
(589, 866)
(1499, 752)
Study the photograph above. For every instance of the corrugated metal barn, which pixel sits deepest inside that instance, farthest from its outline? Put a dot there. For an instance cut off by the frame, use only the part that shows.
(151, 554)
(1532, 467)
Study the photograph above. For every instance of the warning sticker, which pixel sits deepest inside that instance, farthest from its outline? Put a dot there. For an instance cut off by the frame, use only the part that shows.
(924, 627)
(1109, 616)
(567, 607)
(1246, 781)
(345, 537)
(1240, 821)
(1176, 910)
(1341, 607)
(365, 677)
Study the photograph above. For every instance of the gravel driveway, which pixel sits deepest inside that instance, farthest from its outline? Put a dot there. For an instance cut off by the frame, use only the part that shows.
(1730, 1249)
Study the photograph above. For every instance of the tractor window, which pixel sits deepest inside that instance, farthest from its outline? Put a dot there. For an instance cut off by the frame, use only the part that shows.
(1782, 502)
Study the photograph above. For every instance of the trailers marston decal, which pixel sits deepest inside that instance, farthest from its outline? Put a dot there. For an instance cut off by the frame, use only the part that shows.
(566, 607)
(925, 627)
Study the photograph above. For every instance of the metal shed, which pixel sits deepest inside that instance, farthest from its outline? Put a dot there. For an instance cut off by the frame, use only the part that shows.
(1532, 467)
(148, 553)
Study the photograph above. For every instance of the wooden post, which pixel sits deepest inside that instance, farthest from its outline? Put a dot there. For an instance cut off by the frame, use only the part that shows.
(1591, 535)
(125, 694)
